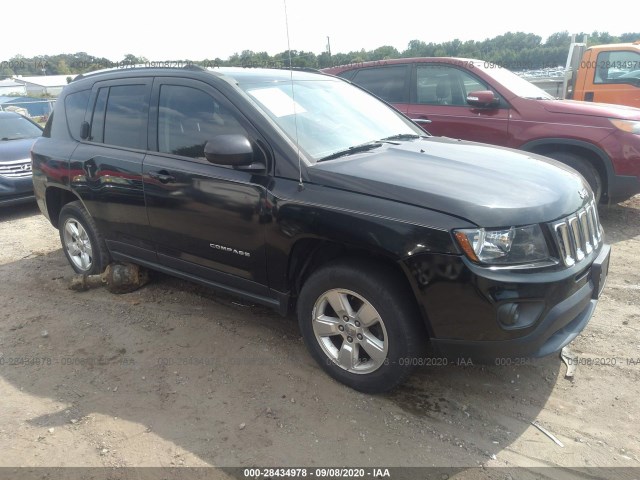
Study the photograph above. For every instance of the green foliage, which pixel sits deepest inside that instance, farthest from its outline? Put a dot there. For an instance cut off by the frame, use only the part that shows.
(514, 50)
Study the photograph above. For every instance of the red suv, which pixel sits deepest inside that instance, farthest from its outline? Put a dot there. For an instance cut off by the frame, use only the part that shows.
(483, 102)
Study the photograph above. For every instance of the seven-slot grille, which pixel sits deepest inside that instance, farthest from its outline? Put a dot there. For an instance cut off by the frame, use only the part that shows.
(578, 234)
(16, 168)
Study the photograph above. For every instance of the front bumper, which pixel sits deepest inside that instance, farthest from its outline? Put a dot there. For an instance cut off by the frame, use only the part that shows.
(464, 315)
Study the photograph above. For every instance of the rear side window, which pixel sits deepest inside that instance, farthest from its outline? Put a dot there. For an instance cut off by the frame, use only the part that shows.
(125, 122)
(120, 116)
(388, 83)
(75, 106)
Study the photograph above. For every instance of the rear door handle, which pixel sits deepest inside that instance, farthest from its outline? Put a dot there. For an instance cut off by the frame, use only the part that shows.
(162, 176)
(421, 120)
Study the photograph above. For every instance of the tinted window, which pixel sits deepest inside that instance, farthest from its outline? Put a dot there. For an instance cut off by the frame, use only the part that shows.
(125, 122)
(97, 122)
(348, 74)
(386, 82)
(443, 85)
(617, 67)
(188, 118)
(75, 107)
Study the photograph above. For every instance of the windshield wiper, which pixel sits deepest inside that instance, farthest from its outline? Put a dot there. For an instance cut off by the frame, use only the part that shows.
(351, 150)
(403, 136)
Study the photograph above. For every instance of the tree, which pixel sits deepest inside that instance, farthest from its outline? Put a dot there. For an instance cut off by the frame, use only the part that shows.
(384, 53)
(62, 68)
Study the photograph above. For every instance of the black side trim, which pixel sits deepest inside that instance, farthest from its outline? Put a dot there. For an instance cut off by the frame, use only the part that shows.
(280, 304)
(132, 251)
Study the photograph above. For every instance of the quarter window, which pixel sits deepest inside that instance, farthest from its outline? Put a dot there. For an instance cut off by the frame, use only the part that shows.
(188, 118)
(75, 107)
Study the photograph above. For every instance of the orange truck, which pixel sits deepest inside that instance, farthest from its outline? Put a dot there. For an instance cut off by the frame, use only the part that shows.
(604, 73)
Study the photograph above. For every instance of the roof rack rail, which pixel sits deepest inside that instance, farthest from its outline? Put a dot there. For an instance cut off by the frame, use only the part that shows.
(187, 66)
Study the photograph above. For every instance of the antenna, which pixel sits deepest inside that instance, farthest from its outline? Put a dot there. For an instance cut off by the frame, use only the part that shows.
(293, 97)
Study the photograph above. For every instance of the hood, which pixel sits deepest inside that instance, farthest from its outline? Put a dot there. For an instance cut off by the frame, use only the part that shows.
(576, 107)
(489, 186)
(16, 149)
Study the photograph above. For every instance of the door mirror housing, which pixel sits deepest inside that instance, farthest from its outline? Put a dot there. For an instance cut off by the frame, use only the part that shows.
(232, 150)
(482, 98)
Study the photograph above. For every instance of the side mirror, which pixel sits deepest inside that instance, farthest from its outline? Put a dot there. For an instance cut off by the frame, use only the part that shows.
(482, 98)
(233, 150)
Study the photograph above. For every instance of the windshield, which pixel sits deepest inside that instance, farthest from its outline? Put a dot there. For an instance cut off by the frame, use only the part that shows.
(17, 127)
(332, 116)
(516, 84)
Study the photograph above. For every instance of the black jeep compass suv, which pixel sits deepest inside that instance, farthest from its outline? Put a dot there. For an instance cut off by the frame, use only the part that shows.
(303, 192)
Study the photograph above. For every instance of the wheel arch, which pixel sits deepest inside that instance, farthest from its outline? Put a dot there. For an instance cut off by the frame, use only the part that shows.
(594, 155)
(56, 198)
(310, 254)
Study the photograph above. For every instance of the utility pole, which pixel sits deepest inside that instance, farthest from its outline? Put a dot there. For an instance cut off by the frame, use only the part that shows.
(329, 47)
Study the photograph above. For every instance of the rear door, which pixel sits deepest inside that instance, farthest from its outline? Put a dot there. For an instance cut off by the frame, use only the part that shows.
(205, 218)
(106, 168)
(438, 104)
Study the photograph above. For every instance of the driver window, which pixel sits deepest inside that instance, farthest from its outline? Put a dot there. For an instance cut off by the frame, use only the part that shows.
(188, 118)
(617, 67)
(444, 85)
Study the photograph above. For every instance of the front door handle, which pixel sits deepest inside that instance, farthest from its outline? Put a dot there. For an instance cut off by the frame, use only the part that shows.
(421, 120)
(162, 176)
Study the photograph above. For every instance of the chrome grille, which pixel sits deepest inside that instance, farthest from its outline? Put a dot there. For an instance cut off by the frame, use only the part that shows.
(16, 168)
(578, 235)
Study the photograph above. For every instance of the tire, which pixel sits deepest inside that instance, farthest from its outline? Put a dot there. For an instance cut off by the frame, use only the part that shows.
(584, 168)
(376, 347)
(83, 245)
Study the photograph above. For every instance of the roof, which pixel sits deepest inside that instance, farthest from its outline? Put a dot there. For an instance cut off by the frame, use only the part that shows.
(239, 74)
(617, 46)
(45, 80)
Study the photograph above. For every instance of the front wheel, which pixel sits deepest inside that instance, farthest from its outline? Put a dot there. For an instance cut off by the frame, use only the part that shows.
(361, 325)
(83, 245)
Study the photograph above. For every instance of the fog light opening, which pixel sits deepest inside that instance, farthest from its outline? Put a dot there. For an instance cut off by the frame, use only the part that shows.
(508, 314)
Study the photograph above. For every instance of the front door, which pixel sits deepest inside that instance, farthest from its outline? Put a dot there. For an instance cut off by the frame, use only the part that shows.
(205, 218)
(439, 105)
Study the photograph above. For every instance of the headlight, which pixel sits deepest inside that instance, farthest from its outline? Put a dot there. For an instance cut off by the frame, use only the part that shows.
(630, 126)
(504, 247)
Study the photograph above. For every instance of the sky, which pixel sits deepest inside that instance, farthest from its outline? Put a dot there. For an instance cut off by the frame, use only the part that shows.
(188, 29)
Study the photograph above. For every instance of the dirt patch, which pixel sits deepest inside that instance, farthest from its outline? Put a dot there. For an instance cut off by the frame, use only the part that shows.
(177, 375)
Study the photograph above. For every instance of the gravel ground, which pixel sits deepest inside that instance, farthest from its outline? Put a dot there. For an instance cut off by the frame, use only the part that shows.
(177, 375)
